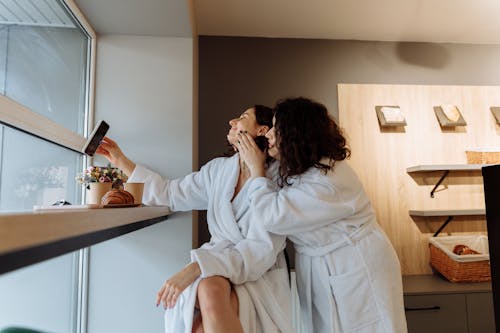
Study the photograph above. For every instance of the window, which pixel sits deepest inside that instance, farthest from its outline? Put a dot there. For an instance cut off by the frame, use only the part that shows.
(44, 61)
(46, 50)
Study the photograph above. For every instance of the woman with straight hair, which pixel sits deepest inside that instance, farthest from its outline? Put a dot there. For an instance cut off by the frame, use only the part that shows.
(348, 274)
(238, 281)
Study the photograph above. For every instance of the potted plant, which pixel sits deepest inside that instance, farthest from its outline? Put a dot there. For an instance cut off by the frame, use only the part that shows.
(99, 180)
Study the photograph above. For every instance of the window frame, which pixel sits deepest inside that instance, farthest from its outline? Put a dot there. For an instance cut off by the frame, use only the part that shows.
(17, 116)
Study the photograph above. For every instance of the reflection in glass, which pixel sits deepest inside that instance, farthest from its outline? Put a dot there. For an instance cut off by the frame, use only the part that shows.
(36, 172)
(40, 296)
(43, 62)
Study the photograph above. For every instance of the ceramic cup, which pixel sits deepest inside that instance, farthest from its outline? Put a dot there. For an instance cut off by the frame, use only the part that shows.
(136, 189)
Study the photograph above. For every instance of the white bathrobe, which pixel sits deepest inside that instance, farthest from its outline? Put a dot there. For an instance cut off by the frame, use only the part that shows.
(239, 249)
(348, 274)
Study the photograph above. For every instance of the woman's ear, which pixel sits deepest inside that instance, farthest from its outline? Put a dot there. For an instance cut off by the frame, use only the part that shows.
(262, 130)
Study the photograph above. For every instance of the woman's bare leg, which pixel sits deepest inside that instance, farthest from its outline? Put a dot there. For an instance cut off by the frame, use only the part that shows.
(218, 306)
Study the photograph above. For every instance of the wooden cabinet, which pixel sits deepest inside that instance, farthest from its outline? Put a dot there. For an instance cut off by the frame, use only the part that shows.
(436, 313)
(480, 312)
(434, 305)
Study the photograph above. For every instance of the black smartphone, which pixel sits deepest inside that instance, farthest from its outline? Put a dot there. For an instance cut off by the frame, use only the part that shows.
(95, 138)
(261, 142)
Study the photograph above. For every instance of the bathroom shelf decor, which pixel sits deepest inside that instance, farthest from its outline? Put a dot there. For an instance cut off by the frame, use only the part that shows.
(484, 156)
(461, 268)
(449, 116)
(390, 116)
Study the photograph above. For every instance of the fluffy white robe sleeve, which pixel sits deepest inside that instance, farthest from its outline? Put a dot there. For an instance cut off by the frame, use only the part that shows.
(182, 194)
(245, 261)
(313, 201)
(240, 260)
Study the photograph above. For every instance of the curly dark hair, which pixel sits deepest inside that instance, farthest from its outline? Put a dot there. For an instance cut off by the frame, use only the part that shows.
(263, 116)
(306, 133)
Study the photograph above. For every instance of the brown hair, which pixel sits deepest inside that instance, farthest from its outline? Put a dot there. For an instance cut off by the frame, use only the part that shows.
(306, 133)
(263, 116)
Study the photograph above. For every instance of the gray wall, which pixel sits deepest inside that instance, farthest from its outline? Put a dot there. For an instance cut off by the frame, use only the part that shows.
(237, 72)
(145, 92)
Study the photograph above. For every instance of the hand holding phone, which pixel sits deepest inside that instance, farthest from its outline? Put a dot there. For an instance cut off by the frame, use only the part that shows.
(95, 138)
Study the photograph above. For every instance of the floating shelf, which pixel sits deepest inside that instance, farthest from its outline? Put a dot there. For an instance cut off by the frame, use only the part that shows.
(448, 212)
(451, 213)
(445, 168)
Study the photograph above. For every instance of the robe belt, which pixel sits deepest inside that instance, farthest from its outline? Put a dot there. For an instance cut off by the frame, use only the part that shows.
(350, 239)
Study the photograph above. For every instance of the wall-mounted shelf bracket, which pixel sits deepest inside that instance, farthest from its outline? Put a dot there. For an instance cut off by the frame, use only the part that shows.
(445, 173)
(450, 213)
(448, 220)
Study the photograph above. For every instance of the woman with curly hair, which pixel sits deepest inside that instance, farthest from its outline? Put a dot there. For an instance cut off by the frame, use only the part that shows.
(238, 281)
(348, 274)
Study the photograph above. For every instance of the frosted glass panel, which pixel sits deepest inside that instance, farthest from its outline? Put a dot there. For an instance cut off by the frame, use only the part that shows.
(36, 172)
(45, 70)
(40, 296)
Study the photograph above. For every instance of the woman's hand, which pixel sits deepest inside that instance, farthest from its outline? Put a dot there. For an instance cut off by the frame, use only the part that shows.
(110, 149)
(251, 154)
(173, 287)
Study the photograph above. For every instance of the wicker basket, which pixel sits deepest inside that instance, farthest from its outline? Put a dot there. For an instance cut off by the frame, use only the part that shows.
(461, 268)
(483, 157)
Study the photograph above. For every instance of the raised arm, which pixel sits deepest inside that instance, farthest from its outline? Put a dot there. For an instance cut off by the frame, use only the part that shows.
(110, 149)
(313, 201)
(182, 194)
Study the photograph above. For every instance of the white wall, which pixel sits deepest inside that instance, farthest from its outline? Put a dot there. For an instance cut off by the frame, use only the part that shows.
(144, 90)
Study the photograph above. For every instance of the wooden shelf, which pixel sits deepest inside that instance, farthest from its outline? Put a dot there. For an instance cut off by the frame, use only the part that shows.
(448, 212)
(445, 167)
(31, 237)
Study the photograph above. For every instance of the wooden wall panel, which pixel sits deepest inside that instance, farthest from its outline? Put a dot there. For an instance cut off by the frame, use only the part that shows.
(381, 156)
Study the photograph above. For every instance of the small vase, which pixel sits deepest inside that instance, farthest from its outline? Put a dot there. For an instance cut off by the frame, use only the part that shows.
(97, 190)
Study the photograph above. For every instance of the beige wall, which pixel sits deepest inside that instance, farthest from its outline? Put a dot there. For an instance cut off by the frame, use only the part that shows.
(381, 157)
(238, 72)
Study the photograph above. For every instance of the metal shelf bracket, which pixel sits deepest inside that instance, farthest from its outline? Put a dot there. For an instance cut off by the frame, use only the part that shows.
(443, 225)
(445, 173)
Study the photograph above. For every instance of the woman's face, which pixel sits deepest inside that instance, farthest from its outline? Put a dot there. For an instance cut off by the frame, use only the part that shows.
(245, 122)
(273, 147)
